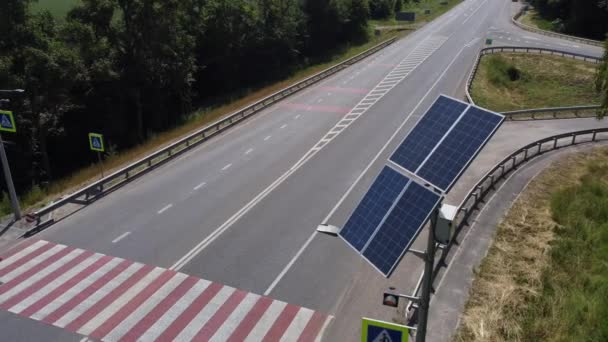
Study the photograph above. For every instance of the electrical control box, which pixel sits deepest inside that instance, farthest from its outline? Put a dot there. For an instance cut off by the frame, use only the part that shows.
(444, 231)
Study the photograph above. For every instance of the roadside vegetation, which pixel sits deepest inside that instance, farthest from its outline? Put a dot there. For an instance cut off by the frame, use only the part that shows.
(509, 81)
(545, 277)
(532, 18)
(587, 19)
(93, 77)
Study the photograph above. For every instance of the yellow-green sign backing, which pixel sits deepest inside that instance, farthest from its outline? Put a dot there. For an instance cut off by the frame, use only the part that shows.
(96, 142)
(380, 331)
(7, 121)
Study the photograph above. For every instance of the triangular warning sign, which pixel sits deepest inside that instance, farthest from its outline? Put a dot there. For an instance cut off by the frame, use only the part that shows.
(96, 142)
(384, 336)
(6, 122)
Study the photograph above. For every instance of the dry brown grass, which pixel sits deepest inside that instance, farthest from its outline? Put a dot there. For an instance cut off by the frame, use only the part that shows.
(511, 274)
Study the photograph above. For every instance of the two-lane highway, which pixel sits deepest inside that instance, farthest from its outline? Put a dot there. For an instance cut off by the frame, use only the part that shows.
(242, 209)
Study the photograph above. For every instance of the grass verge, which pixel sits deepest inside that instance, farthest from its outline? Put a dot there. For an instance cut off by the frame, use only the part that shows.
(511, 81)
(532, 18)
(545, 277)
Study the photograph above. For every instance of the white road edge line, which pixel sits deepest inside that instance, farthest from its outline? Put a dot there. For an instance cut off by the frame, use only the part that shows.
(249, 151)
(283, 126)
(226, 167)
(122, 236)
(165, 208)
(297, 117)
(268, 137)
(200, 185)
(331, 213)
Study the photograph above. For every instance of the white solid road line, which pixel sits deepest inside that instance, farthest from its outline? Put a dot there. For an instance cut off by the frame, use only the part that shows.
(226, 167)
(276, 281)
(283, 126)
(122, 236)
(165, 208)
(200, 185)
(331, 213)
(248, 151)
(297, 117)
(268, 137)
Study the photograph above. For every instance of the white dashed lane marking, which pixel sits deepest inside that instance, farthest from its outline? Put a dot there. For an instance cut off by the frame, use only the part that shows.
(165, 208)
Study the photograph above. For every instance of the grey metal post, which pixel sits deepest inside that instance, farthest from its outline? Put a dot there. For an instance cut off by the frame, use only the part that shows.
(427, 283)
(9, 182)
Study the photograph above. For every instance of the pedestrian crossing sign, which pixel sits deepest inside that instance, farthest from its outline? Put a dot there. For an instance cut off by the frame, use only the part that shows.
(96, 142)
(379, 331)
(7, 122)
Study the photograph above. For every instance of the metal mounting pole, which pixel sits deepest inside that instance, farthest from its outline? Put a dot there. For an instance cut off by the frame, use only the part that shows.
(100, 163)
(427, 282)
(9, 182)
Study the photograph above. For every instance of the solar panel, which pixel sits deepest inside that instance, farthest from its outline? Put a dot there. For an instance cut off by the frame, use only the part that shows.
(427, 133)
(401, 227)
(463, 142)
(373, 207)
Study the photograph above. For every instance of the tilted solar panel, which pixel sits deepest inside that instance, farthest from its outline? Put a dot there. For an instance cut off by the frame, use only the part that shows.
(401, 227)
(427, 133)
(463, 142)
(373, 207)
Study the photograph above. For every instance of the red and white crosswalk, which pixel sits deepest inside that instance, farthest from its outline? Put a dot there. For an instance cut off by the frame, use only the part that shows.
(114, 299)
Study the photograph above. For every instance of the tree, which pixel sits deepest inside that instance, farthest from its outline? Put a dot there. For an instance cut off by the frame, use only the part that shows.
(601, 82)
(382, 9)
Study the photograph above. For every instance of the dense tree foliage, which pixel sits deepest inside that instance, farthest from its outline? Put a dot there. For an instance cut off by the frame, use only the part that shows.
(382, 9)
(585, 18)
(130, 68)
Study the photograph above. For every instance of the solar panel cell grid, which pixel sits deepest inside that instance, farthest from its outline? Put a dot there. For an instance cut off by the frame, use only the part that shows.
(427, 133)
(459, 147)
(401, 227)
(373, 207)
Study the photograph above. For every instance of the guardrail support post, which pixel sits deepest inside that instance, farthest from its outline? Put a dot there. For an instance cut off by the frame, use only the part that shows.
(593, 137)
(573, 139)
(526, 154)
(554, 143)
(539, 147)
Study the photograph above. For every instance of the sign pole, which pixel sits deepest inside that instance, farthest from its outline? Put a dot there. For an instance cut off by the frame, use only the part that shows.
(100, 162)
(427, 283)
(9, 182)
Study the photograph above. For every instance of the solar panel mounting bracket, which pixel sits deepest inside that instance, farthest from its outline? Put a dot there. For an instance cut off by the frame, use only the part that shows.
(328, 229)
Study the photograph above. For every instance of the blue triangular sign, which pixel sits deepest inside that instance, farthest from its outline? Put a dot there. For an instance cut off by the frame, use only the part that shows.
(96, 142)
(6, 122)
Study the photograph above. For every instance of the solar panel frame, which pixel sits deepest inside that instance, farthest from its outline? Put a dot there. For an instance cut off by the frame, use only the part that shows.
(395, 223)
(417, 140)
(386, 171)
(446, 188)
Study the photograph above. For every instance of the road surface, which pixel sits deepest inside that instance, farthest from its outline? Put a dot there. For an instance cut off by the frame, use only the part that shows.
(242, 209)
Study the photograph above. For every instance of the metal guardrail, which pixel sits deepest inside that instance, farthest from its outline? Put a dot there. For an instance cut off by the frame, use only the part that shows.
(542, 51)
(488, 183)
(496, 175)
(552, 113)
(99, 188)
(549, 33)
(522, 49)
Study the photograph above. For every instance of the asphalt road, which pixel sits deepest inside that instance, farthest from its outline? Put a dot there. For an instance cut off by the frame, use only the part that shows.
(242, 209)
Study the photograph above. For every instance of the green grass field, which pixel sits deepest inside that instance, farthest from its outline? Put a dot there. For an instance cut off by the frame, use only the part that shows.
(574, 307)
(59, 8)
(510, 81)
(545, 277)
